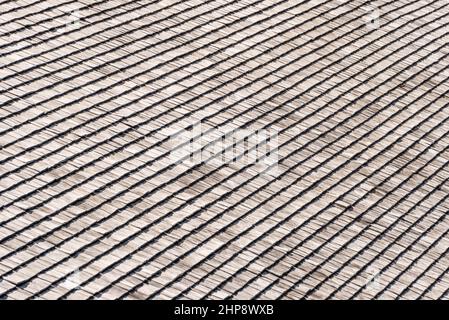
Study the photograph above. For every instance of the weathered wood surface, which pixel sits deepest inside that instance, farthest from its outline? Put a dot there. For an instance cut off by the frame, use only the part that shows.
(96, 202)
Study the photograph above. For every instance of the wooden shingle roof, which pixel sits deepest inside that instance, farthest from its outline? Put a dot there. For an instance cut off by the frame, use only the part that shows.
(224, 149)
